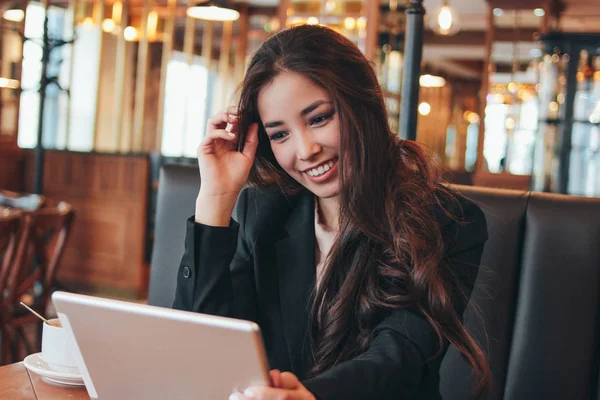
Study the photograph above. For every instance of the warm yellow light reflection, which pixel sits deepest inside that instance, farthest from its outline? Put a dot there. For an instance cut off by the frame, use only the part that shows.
(212, 13)
(312, 21)
(349, 23)
(424, 108)
(553, 106)
(9, 83)
(88, 22)
(471, 117)
(361, 23)
(152, 24)
(510, 123)
(14, 15)
(108, 25)
(117, 12)
(130, 33)
(445, 19)
(431, 81)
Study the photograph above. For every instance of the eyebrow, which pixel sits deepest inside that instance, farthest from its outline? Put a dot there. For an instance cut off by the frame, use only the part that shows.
(307, 110)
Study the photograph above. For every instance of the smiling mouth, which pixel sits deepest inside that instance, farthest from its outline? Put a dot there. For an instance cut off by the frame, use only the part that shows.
(322, 169)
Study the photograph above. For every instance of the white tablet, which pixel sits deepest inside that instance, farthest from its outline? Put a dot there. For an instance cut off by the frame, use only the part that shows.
(134, 351)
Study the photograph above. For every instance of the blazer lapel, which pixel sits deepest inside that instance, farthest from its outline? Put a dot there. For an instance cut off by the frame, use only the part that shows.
(295, 256)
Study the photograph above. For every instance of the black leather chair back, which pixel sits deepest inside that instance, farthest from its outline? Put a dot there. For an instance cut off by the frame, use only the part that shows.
(535, 305)
(178, 187)
(537, 293)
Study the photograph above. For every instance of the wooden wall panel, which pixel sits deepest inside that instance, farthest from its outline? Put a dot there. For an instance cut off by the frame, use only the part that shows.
(110, 196)
(12, 169)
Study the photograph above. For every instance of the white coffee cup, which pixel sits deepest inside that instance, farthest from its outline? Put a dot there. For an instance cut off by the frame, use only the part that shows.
(56, 346)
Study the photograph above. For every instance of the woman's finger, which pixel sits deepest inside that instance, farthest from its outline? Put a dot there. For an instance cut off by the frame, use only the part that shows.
(275, 380)
(217, 134)
(287, 380)
(220, 120)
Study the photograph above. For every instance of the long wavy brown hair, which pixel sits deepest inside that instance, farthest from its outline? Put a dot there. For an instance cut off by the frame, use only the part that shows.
(389, 249)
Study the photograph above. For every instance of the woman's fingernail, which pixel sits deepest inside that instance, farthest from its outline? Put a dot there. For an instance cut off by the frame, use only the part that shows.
(233, 116)
(231, 134)
(248, 393)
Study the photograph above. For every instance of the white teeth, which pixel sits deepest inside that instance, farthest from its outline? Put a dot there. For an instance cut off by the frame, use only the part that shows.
(322, 169)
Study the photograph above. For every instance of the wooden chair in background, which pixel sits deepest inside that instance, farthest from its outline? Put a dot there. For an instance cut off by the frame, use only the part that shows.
(33, 275)
(13, 229)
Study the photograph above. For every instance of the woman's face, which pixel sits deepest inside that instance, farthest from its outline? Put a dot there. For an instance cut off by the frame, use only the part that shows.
(303, 128)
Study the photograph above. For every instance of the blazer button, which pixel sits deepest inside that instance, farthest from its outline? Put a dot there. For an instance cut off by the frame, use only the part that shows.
(186, 272)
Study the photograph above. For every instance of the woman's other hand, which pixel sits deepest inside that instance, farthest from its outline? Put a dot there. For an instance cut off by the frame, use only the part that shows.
(285, 387)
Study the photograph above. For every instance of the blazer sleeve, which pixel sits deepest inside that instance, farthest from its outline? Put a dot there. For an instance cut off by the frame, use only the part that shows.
(216, 273)
(404, 343)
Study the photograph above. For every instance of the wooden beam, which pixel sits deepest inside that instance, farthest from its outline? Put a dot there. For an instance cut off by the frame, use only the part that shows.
(166, 56)
(516, 4)
(242, 44)
(284, 5)
(98, 17)
(372, 7)
(120, 61)
(485, 87)
(140, 83)
(477, 38)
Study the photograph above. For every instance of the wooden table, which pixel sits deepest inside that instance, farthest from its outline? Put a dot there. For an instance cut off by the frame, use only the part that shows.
(17, 383)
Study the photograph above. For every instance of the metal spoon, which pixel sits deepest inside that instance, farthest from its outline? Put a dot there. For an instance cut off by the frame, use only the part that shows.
(35, 313)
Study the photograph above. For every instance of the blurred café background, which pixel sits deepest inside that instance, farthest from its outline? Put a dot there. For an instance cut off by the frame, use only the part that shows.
(97, 95)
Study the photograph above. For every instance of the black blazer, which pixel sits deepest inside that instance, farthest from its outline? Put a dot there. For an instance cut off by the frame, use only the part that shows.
(263, 270)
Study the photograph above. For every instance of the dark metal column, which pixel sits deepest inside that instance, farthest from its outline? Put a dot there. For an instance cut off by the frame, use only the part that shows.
(413, 52)
(567, 125)
(39, 150)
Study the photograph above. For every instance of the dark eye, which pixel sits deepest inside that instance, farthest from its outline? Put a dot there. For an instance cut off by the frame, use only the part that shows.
(277, 135)
(320, 119)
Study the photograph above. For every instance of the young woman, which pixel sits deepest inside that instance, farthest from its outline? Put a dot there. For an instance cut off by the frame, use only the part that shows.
(355, 262)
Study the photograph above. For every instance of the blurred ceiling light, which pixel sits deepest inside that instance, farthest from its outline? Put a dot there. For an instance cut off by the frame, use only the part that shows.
(117, 11)
(431, 81)
(330, 6)
(14, 15)
(446, 20)
(498, 12)
(88, 22)
(213, 10)
(130, 33)
(473, 118)
(361, 23)
(349, 23)
(539, 12)
(152, 24)
(108, 25)
(312, 21)
(553, 106)
(9, 83)
(510, 123)
(424, 108)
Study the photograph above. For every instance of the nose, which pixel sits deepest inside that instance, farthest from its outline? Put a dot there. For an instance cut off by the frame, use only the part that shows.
(307, 147)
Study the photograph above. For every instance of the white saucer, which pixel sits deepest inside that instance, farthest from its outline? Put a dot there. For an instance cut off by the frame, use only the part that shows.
(53, 373)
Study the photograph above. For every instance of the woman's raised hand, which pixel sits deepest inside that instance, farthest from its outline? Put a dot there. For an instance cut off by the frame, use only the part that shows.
(223, 169)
